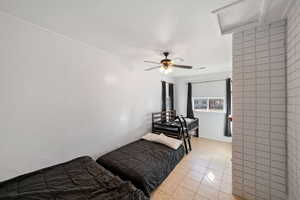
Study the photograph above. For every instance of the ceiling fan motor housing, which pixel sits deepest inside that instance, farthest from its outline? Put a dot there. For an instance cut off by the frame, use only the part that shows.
(166, 62)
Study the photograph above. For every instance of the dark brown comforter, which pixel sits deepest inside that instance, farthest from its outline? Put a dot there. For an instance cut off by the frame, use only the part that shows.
(78, 179)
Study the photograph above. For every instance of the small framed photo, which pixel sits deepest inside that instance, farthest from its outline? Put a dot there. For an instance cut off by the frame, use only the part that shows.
(200, 104)
(209, 104)
(216, 104)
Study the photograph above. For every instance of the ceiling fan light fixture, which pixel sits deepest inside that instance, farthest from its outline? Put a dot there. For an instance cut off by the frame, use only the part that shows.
(166, 70)
(161, 69)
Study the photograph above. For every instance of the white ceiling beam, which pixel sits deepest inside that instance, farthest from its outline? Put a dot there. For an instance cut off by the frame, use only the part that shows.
(265, 5)
(226, 6)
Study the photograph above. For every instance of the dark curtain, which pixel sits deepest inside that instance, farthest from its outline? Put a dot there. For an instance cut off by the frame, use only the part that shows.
(227, 129)
(171, 95)
(189, 108)
(163, 98)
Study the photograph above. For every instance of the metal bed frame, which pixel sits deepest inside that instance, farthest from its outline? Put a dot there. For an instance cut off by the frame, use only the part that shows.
(168, 123)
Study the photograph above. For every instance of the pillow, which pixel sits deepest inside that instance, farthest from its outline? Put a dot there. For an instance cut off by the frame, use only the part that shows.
(170, 142)
(151, 137)
(162, 139)
(189, 120)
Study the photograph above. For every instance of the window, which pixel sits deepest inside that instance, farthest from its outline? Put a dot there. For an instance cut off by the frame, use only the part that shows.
(208, 104)
(200, 104)
(168, 103)
(168, 98)
(216, 104)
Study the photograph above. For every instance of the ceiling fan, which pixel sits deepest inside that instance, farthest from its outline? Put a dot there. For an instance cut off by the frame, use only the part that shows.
(166, 64)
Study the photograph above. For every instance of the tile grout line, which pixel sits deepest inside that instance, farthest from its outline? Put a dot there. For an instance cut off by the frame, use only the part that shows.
(255, 131)
(270, 163)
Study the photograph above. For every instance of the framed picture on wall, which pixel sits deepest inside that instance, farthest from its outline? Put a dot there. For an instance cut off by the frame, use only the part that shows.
(200, 104)
(209, 104)
(216, 104)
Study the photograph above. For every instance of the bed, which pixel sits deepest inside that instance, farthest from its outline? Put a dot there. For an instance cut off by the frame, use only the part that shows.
(78, 179)
(166, 122)
(192, 124)
(146, 164)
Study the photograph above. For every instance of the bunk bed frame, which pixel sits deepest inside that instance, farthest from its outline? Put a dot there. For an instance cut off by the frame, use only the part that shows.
(165, 122)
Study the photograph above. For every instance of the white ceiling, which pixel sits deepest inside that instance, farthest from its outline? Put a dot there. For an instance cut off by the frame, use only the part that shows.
(140, 29)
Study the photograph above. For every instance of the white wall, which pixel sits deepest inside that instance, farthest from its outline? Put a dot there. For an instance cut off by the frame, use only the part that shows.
(293, 108)
(211, 124)
(259, 113)
(61, 98)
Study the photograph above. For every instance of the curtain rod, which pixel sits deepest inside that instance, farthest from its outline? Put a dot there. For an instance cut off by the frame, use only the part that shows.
(199, 82)
(168, 82)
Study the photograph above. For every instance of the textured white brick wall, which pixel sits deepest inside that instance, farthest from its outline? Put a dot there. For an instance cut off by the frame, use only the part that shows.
(293, 92)
(259, 99)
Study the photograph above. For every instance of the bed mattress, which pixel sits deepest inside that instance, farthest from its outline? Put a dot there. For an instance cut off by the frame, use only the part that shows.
(146, 164)
(79, 179)
(191, 123)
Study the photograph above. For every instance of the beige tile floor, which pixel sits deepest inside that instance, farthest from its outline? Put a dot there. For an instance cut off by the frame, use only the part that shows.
(204, 174)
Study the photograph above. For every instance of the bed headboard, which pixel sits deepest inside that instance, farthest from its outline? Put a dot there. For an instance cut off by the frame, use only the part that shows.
(159, 116)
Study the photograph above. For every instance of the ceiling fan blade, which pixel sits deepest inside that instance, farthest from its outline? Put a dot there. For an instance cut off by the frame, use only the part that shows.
(179, 59)
(151, 68)
(200, 68)
(183, 66)
(153, 62)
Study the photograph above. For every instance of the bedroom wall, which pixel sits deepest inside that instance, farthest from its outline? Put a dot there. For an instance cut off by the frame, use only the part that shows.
(293, 85)
(259, 122)
(211, 125)
(61, 98)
